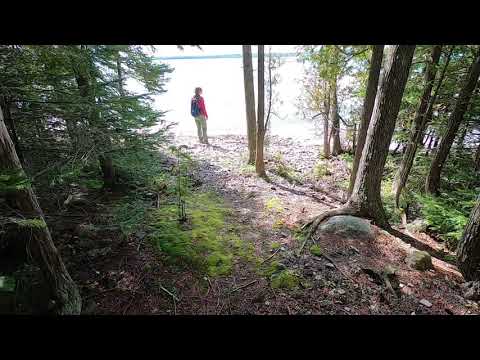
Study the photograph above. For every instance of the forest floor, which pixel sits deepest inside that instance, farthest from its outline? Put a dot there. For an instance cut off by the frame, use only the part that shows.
(128, 276)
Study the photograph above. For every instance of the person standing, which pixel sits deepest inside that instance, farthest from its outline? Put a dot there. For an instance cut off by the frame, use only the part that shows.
(199, 112)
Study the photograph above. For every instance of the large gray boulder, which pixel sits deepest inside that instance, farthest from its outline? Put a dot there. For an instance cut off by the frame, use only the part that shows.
(347, 226)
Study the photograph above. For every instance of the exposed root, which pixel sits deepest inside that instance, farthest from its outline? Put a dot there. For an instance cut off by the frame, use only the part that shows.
(314, 223)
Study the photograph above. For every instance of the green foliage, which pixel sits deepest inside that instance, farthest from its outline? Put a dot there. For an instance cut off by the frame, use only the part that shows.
(284, 170)
(321, 169)
(448, 214)
(285, 279)
(316, 250)
(129, 213)
(13, 181)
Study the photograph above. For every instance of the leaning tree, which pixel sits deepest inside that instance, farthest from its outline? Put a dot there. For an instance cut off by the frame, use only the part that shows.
(365, 200)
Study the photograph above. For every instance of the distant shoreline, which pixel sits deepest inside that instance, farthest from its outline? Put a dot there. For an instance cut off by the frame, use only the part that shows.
(224, 56)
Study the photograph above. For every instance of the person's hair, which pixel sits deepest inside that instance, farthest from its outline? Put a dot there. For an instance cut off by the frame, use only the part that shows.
(198, 90)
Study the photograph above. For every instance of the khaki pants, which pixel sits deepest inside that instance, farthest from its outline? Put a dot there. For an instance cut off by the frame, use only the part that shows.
(201, 122)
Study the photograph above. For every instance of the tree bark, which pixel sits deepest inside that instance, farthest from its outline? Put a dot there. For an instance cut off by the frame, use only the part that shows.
(120, 75)
(5, 104)
(468, 251)
(259, 163)
(366, 191)
(432, 183)
(335, 120)
(249, 101)
(477, 158)
(372, 85)
(326, 127)
(62, 290)
(418, 126)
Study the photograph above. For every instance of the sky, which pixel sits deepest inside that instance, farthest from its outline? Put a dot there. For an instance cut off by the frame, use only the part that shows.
(172, 50)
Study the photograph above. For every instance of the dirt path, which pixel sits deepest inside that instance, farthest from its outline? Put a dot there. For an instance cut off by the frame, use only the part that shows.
(271, 210)
(118, 275)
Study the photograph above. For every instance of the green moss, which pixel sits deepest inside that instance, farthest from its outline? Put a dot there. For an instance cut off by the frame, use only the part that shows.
(268, 269)
(278, 224)
(206, 242)
(286, 279)
(31, 223)
(274, 205)
(316, 250)
(275, 245)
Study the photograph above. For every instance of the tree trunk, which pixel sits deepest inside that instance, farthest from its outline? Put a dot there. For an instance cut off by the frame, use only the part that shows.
(372, 85)
(120, 76)
(62, 290)
(326, 127)
(259, 163)
(418, 126)
(365, 197)
(85, 82)
(354, 137)
(432, 183)
(249, 101)
(335, 120)
(5, 104)
(461, 138)
(468, 251)
(477, 158)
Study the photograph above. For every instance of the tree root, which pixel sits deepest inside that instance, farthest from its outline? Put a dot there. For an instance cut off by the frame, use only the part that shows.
(314, 223)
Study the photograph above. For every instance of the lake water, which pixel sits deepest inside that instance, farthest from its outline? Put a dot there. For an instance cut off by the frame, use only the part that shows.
(222, 82)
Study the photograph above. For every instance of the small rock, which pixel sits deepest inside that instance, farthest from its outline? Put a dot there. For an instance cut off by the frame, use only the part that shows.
(412, 313)
(419, 260)
(426, 303)
(330, 265)
(347, 309)
(472, 290)
(341, 292)
(410, 285)
(267, 303)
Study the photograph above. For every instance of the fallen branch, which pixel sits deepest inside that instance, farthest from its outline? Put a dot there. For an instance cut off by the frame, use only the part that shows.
(243, 286)
(169, 293)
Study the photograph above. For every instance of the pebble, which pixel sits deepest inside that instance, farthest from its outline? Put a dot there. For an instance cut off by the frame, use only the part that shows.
(426, 303)
(329, 265)
(341, 292)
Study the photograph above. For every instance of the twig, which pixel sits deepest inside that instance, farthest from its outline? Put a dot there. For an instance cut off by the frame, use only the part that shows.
(271, 256)
(243, 286)
(169, 293)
